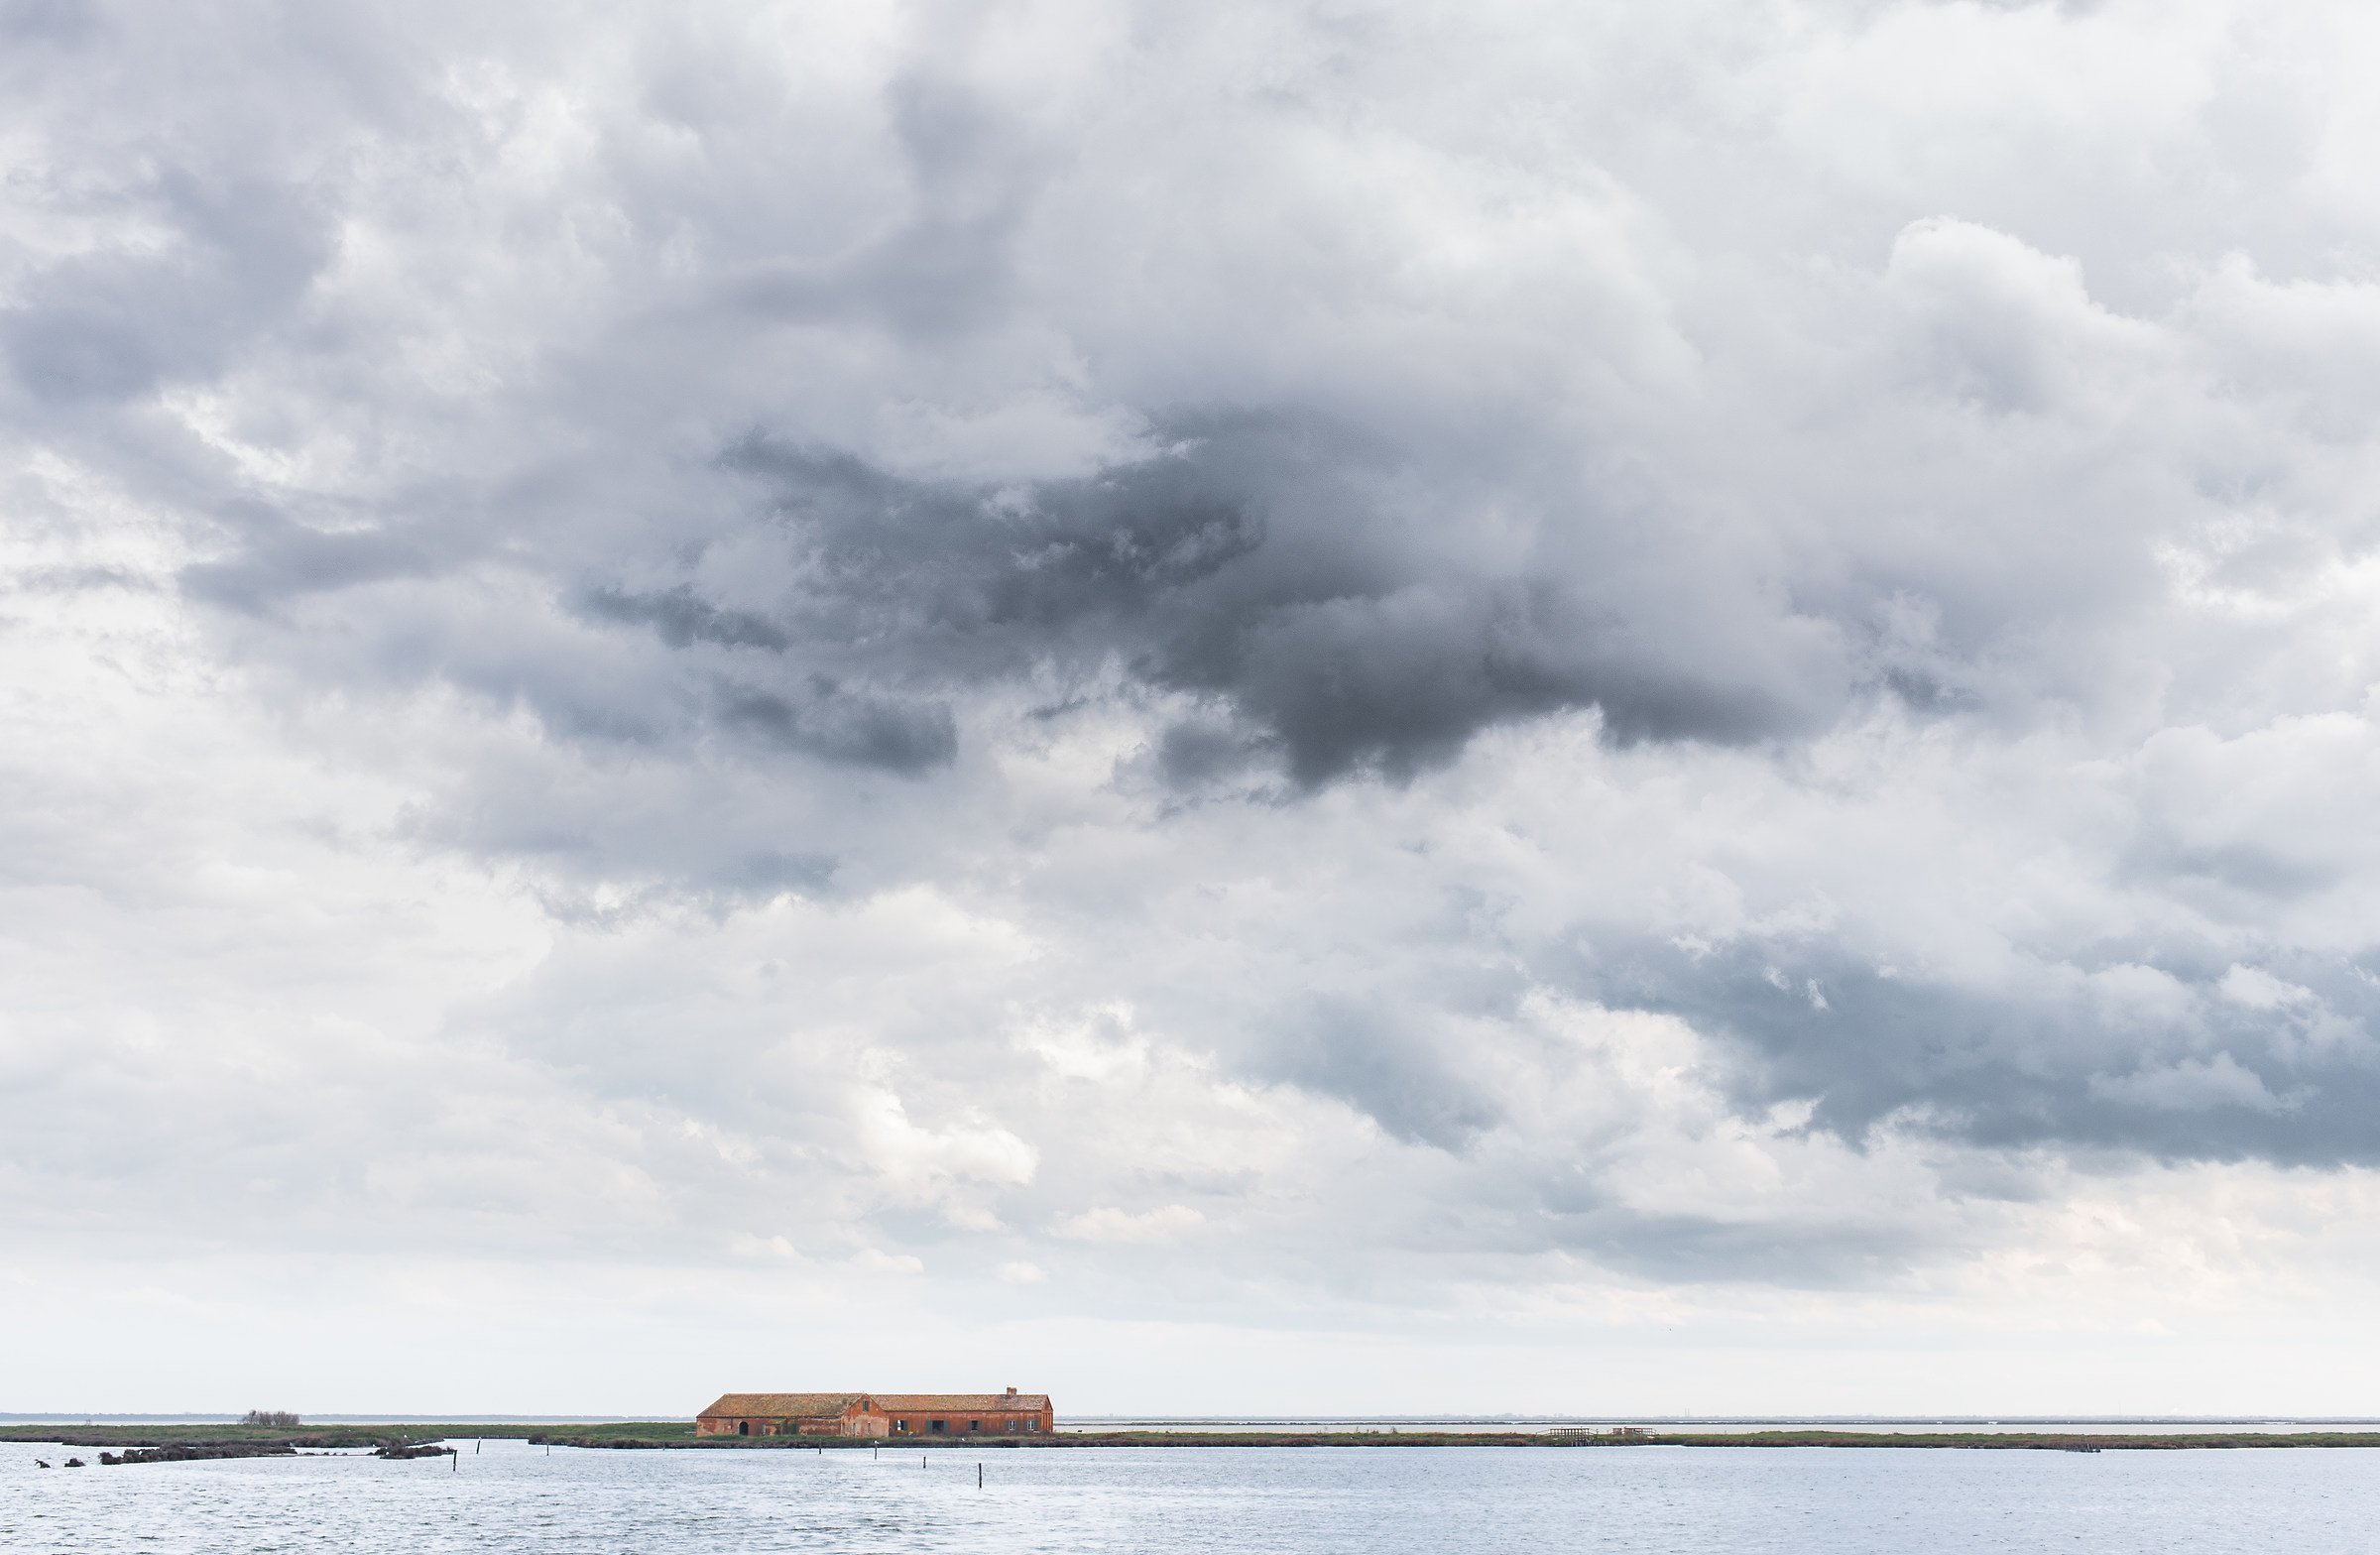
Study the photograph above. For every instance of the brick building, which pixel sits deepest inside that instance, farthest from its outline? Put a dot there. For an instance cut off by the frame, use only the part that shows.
(968, 1415)
(879, 1414)
(790, 1415)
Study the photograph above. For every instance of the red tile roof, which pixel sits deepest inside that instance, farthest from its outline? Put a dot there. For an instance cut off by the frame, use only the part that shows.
(785, 1407)
(962, 1404)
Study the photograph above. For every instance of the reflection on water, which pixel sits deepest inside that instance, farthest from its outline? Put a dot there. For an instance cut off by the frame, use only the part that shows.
(513, 1496)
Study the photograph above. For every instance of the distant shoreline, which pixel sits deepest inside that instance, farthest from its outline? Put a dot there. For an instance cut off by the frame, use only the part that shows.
(667, 1435)
(1980, 1440)
(2139, 1424)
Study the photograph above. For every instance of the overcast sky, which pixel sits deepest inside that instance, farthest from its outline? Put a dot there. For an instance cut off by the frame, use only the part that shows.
(1589, 707)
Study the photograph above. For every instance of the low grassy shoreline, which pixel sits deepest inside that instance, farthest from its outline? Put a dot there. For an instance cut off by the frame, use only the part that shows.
(301, 1437)
(633, 1436)
(667, 1434)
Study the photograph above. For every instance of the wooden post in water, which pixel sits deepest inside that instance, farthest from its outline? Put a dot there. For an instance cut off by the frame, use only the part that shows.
(978, 1475)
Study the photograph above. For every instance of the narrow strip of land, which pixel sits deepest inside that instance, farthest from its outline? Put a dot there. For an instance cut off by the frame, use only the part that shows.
(2034, 1440)
(668, 1434)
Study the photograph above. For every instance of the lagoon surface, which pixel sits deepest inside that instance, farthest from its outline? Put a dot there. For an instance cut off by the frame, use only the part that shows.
(512, 1497)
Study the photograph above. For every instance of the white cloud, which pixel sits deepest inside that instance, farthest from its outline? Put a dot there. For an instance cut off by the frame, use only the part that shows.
(1166, 1224)
(871, 1260)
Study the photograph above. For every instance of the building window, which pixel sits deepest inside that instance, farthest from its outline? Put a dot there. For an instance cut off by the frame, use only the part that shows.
(901, 1426)
(939, 1426)
(975, 1425)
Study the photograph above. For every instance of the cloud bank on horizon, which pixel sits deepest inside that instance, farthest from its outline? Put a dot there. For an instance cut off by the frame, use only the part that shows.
(1248, 662)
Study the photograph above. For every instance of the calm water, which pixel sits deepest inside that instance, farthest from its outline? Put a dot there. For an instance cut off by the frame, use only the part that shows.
(1447, 1500)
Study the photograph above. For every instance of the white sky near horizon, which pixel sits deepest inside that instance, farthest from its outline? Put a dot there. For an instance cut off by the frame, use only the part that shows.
(1277, 708)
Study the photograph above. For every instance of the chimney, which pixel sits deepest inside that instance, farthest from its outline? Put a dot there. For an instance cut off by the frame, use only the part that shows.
(1011, 1392)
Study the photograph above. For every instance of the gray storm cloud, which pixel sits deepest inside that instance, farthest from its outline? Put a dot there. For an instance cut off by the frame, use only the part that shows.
(1003, 636)
(1259, 562)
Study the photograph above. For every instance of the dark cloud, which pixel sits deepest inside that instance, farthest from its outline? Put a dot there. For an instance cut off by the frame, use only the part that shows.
(65, 23)
(1251, 563)
(678, 618)
(841, 726)
(111, 325)
(1692, 1248)
(1385, 1063)
(279, 561)
(1196, 752)
(2191, 1060)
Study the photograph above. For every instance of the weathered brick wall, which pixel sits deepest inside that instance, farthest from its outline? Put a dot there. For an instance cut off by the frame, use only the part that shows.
(870, 1418)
